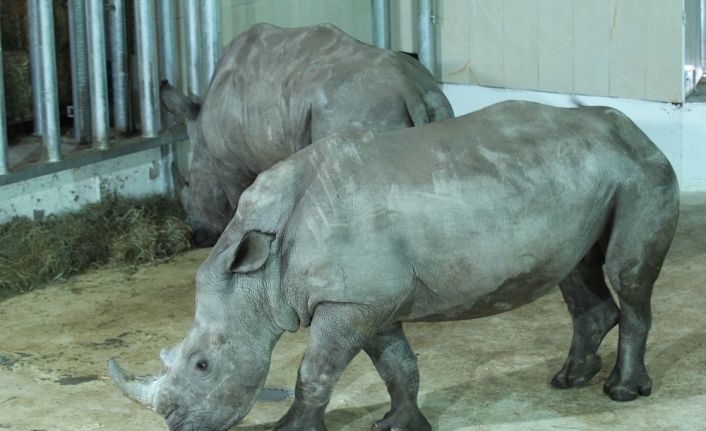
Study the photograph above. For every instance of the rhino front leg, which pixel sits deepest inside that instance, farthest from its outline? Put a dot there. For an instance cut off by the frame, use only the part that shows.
(593, 313)
(338, 333)
(397, 365)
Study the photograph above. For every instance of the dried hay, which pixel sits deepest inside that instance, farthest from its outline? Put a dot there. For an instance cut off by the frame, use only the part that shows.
(121, 232)
(18, 86)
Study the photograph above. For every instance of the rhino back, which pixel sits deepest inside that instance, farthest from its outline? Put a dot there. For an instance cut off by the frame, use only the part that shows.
(462, 218)
(277, 90)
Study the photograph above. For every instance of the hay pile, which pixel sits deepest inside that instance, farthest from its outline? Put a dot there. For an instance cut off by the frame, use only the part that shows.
(18, 86)
(121, 232)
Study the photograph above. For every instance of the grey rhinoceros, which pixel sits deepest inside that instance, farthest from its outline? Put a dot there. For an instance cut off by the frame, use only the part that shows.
(275, 91)
(458, 219)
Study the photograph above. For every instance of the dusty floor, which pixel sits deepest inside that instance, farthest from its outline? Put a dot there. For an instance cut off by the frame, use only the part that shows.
(488, 374)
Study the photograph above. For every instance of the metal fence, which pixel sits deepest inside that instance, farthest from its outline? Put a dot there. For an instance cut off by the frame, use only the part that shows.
(98, 33)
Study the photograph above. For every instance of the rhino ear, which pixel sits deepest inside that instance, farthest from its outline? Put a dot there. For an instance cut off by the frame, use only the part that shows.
(177, 103)
(252, 252)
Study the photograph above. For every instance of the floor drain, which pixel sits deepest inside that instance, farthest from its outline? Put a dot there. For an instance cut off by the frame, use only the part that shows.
(273, 393)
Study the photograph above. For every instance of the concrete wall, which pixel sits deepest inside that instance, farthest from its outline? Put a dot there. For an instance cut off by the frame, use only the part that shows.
(138, 174)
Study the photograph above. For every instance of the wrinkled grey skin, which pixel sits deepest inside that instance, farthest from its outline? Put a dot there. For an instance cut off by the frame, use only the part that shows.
(275, 91)
(459, 219)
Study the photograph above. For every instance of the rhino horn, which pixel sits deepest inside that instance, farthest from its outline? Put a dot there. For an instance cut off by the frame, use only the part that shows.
(140, 388)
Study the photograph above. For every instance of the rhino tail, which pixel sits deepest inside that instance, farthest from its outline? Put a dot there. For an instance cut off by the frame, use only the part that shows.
(416, 109)
(438, 106)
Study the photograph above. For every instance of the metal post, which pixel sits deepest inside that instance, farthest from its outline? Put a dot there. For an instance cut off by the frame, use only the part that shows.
(381, 23)
(192, 23)
(4, 163)
(79, 70)
(98, 74)
(427, 35)
(212, 38)
(147, 65)
(49, 93)
(35, 65)
(702, 34)
(166, 52)
(119, 65)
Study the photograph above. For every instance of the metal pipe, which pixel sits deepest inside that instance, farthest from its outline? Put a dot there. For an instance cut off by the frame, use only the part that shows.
(212, 38)
(119, 65)
(79, 70)
(98, 74)
(381, 23)
(147, 65)
(4, 163)
(702, 34)
(50, 96)
(166, 52)
(192, 24)
(35, 65)
(427, 35)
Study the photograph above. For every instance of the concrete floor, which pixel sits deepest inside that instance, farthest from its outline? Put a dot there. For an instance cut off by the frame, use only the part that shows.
(487, 374)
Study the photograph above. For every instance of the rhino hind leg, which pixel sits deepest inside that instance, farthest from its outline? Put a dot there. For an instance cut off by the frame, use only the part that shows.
(593, 313)
(397, 365)
(643, 228)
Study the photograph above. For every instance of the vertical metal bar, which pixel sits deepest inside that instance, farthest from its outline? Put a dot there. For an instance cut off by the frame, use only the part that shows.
(427, 35)
(166, 52)
(4, 163)
(702, 42)
(79, 70)
(192, 24)
(35, 65)
(50, 96)
(212, 38)
(119, 65)
(147, 65)
(381, 23)
(98, 74)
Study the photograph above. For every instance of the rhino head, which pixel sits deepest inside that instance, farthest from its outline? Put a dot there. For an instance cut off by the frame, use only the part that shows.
(201, 193)
(211, 379)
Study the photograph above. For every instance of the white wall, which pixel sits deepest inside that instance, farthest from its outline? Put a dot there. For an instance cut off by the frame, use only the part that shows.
(678, 130)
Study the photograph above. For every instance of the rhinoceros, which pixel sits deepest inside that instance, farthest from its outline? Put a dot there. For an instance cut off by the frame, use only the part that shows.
(275, 91)
(459, 219)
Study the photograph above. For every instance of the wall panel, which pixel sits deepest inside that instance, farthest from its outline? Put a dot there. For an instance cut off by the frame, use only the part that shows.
(621, 48)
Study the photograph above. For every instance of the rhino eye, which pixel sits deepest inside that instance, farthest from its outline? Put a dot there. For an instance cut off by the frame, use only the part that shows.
(202, 365)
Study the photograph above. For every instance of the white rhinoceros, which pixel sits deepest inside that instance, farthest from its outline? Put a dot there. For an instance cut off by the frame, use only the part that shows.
(459, 219)
(275, 91)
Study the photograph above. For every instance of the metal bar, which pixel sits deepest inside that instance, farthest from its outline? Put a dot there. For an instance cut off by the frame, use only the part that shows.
(79, 70)
(119, 65)
(50, 96)
(166, 53)
(147, 64)
(427, 35)
(381, 23)
(89, 157)
(35, 65)
(702, 34)
(212, 38)
(98, 74)
(4, 162)
(192, 24)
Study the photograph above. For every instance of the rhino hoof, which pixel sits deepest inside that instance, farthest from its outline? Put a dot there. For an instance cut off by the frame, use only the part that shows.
(574, 372)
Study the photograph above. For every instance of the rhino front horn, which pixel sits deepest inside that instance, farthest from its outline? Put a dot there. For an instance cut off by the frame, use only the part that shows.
(140, 388)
